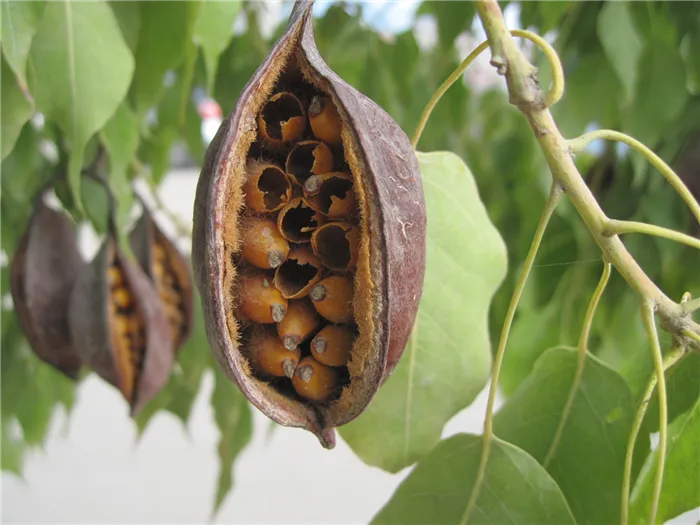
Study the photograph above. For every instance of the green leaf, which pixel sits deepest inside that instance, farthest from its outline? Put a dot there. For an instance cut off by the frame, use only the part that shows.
(452, 18)
(681, 485)
(588, 462)
(82, 69)
(121, 138)
(515, 489)
(213, 32)
(446, 363)
(233, 417)
(18, 23)
(622, 44)
(162, 41)
(16, 110)
(692, 62)
(129, 18)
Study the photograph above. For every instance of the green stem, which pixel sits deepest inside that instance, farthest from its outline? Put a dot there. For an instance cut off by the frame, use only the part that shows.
(674, 180)
(650, 326)
(691, 306)
(581, 360)
(671, 359)
(552, 201)
(551, 98)
(691, 335)
(615, 227)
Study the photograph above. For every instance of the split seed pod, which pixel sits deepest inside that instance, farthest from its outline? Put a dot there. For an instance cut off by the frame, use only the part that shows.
(42, 274)
(385, 267)
(168, 270)
(120, 327)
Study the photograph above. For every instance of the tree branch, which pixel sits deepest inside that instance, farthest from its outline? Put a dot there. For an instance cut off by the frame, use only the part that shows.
(525, 92)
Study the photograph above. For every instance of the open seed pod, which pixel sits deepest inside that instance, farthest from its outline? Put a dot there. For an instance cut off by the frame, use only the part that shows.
(120, 327)
(168, 270)
(374, 294)
(42, 274)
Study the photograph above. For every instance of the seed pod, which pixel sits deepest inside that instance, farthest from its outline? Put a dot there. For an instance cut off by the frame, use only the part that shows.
(386, 279)
(299, 323)
(42, 273)
(331, 194)
(314, 381)
(308, 158)
(336, 244)
(267, 188)
(169, 271)
(263, 245)
(332, 345)
(127, 341)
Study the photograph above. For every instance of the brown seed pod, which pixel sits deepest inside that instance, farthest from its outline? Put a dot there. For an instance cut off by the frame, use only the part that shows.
(267, 188)
(325, 122)
(331, 194)
(295, 277)
(297, 221)
(282, 119)
(308, 158)
(127, 341)
(44, 268)
(337, 244)
(381, 302)
(299, 323)
(261, 302)
(262, 244)
(168, 270)
(272, 357)
(332, 345)
(314, 381)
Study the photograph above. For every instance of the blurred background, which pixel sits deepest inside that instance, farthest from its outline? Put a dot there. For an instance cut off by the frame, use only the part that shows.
(72, 454)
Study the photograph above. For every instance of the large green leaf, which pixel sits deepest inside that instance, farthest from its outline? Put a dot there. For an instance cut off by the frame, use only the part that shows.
(446, 363)
(233, 416)
(18, 23)
(129, 18)
(681, 486)
(82, 70)
(121, 138)
(515, 489)
(16, 110)
(589, 458)
(622, 44)
(213, 32)
(692, 61)
(163, 38)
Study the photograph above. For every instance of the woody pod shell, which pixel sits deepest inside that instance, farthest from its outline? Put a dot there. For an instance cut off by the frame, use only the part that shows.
(42, 274)
(390, 273)
(91, 330)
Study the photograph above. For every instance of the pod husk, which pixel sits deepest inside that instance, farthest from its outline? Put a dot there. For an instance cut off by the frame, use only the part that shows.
(144, 233)
(42, 273)
(391, 264)
(90, 328)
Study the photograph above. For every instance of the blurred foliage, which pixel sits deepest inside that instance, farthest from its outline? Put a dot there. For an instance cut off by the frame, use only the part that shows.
(631, 66)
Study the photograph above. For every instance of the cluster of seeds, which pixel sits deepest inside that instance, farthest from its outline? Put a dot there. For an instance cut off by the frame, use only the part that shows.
(170, 290)
(126, 328)
(299, 247)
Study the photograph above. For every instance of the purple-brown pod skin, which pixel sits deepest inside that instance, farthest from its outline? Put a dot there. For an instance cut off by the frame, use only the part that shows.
(143, 235)
(89, 325)
(42, 274)
(392, 196)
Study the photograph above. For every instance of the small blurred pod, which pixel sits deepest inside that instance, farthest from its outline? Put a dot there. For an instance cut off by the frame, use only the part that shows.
(42, 273)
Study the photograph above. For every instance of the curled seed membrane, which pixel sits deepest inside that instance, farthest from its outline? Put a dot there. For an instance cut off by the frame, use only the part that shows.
(336, 244)
(308, 158)
(267, 188)
(331, 194)
(282, 119)
(295, 276)
(297, 221)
